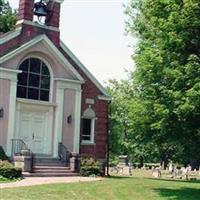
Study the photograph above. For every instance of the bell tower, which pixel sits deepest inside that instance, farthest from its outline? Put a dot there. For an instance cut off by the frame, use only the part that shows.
(40, 16)
(25, 10)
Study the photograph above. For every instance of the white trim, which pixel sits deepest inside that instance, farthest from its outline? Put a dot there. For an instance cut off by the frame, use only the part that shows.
(69, 80)
(47, 42)
(29, 107)
(31, 23)
(61, 85)
(9, 74)
(10, 70)
(104, 98)
(77, 118)
(12, 76)
(36, 102)
(11, 121)
(68, 85)
(10, 36)
(21, 49)
(84, 69)
(58, 1)
(58, 120)
(87, 143)
(49, 68)
(91, 141)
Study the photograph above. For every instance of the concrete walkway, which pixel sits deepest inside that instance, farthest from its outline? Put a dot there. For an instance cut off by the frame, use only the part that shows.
(47, 180)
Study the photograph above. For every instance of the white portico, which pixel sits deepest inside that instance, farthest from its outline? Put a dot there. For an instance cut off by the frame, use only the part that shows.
(38, 86)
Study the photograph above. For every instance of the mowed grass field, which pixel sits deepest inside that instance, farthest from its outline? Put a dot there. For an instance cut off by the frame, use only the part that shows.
(114, 188)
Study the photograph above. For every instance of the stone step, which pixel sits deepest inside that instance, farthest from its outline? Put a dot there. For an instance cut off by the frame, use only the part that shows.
(50, 167)
(66, 174)
(49, 164)
(50, 171)
(46, 160)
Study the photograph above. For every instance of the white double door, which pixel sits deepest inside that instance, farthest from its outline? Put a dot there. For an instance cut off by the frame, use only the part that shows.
(35, 129)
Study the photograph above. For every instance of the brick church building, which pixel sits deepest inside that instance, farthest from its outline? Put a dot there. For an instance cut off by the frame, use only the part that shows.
(48, 98)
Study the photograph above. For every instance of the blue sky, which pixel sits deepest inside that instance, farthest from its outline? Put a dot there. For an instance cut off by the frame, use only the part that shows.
(94, 31)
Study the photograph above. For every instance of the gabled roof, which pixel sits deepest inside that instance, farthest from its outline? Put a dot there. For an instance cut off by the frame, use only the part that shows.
(47, 42)
(10, 35)
(106, 96)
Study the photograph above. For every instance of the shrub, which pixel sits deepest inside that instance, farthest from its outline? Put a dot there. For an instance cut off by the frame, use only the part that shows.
(7, 170)
(113, 161)
(90, 167)
(3, 156)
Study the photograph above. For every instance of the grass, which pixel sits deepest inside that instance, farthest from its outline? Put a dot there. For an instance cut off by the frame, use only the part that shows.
(114, 188)
(3, 180)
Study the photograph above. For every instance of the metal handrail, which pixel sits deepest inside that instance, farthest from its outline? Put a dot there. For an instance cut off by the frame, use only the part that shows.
(17, 146)
(63, 153)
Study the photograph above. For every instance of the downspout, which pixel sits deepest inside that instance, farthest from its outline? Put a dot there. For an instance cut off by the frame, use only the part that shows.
(108, 141)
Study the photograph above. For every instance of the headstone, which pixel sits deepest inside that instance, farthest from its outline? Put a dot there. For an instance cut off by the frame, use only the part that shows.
(123, 160)
(124, 167)
(156, 172)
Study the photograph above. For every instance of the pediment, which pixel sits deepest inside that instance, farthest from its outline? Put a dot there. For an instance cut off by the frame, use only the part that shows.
(41, 47)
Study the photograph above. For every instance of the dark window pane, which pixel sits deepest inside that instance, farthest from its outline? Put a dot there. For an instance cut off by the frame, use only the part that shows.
(86, 129)
(22, 78)
(24, 66)
(35, 65)
(45, 70)
(33, 93)
(44, 95)
(45, 82)
(21, 92)
(86, 137)
(34, 80)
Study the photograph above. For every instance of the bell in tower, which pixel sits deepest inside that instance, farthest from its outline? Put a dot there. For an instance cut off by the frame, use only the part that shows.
(40, 10)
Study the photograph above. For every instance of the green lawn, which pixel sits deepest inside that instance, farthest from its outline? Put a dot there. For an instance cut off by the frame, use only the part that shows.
(115, 188)
(4, 180)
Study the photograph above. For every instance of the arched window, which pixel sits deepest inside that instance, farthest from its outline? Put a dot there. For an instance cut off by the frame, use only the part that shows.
(34, 81)
(88, 126)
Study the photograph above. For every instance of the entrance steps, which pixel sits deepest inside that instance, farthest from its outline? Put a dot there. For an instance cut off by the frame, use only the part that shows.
(50, 167)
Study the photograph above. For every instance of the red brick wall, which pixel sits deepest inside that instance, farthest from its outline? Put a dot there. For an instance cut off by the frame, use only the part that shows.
(28, 33)
(53, 17)
(25, 10)
(89, 90)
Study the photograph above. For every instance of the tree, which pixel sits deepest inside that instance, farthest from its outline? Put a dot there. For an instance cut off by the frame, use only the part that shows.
(7, 17)
(122, 95)
(126, 116)
(167, 76)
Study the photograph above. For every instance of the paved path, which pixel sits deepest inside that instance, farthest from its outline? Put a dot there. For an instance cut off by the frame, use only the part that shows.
(47, 180)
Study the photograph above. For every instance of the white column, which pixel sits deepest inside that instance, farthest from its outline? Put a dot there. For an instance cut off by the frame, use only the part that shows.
(58, 119)
(61, 86)
(11, 121)
(77, 118)
(10, 74)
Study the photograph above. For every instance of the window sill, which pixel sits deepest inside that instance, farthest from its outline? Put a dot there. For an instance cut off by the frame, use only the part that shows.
(36, 102)
(87, 143)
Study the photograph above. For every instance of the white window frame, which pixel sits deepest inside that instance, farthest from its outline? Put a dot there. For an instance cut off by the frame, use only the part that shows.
(33, 55)
(91, 141)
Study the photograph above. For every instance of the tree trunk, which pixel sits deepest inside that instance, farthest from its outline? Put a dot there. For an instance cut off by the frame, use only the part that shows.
(141, 161)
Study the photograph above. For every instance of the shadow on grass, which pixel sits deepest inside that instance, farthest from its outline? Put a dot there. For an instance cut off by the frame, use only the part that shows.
(119, 177)
(175, 180)
(179, 194)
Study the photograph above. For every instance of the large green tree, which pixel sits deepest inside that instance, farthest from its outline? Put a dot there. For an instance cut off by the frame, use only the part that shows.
(163, 107)
(167, 76)
(7, 17)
